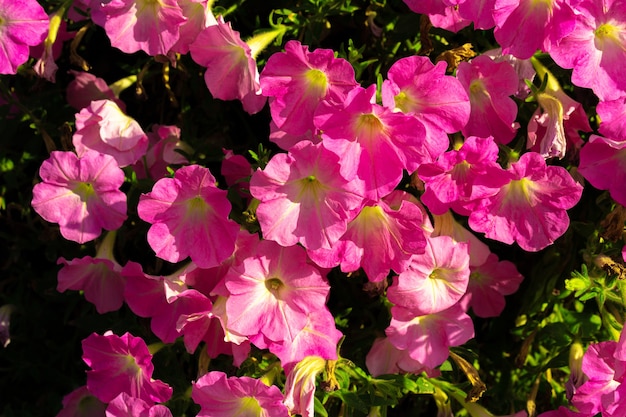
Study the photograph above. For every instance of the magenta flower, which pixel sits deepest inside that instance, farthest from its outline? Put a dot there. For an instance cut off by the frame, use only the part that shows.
(298, 80)
(383, 236)
(488, 284)
(446, 225)
(435, 280)
(490, 85)
(189, 217)
(82, 403)
(272, 292)
(523, 26)
(23, 23)
(480, 12)
(121, 364)
(304, 198)
(103, 127)
(100, 278)
(599, 156)
(221, 396)
(80, 194)
(417, 87)
(231, 70)
(531, 208)
(163, 144)
(199, 16)
(140, 25)
(613, 118)
(596, 48)
(126, 406)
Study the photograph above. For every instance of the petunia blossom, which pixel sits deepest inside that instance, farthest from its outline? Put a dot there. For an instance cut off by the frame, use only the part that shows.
(23, 23)
(599, 156)
(80, 194)
(199, 16)
(126, 406)
(612, 115)
(300, 386)
(86, 87)
(82, 403)
(164, 149)
(222, 396)
(189, 217)
(121, 364)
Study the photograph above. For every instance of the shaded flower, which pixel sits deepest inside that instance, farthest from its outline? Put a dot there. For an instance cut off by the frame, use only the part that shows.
(82, 403)
(126, 406)
(599, 156)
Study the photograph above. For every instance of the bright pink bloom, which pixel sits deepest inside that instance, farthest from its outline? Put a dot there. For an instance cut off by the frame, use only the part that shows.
(446, 225)
(100, 278)
(189, 217)
(374, 143)
(490, 85)
(298, 80)
(121, 364)
(23, 23)
(523, 26)
(417, 87)
(596, 49)
(237, 171)
(531, 208)
(86, 87)
(221, 396)
(451, 19)
(450, 181)
(286, 140)
(523, 67)
(488, 284)
(163, 144)
(80, 194)
(601, 156)
(272, 293)
(140, 25)
(199, 16)
(304, 198)
(231, 70)
(82, 403)
(427, 338)
(383, 236)
(478, 11)
(435, 280)
(126, 406)
(613, 118)
(103, 127)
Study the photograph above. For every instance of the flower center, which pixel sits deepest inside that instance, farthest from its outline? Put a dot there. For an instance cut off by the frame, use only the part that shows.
(248, 407)
(84, 190)
(317, 82)
(274, 285)
(368, 127)
(606, 32)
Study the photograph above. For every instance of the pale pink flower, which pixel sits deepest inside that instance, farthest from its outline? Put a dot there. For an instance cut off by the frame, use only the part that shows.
(286, 140)
(199, 16)
(103, 127)
(488, 284)
(80, 194)
(417, 87)
(613, 118)
(382, 237)
(126, 406)
(222, 396)
(435, 280)
(596, 48)
(428, 338)
(530, 208)
(374, 144)
(86, 87)
(304, 198)
(603, 155)
(23, 23)
(231, 71)
(100, 277)
(82, 403)
(140, 25)
(385, 358)
(300, 386)
(189, 217)
(298, 80)
(490, 85)
(121, 364)
(523, 26)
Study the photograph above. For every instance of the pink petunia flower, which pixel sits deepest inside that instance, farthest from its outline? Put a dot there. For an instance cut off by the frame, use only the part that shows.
(417, 87)
(100, 277)
(126, 406)
(446, 225)
(103, 127)
(199, 16)
(523, 26)
(189, 217)
(121, 364)
(23, 23)
(80, 194)
(490, 85)
(164, 145)
(435, 280)
(298, 80)
(599, 156)
(596, 48)
(231, 70)
(300, 386)
(82, 403)
(304, 198)
(480, 12)
(385, 358)
(221, 396)
(140, 25)
(531, 208)
(86, 87)
(613, 118)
